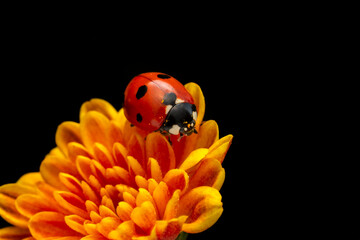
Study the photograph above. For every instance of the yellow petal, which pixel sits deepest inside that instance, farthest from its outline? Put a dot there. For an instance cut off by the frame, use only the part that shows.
(72, 203)
(144, 216)
(176, 179)
(208, 134)
(76, 223)
(154, 169)
(30, 179)
(125, 231)
(98, 105)
(135, 166)
(161, 197)
(203, 206)
(67, 132)
(210, 173)
(219, 149)
(30, 204)
(51, 166)
(8, 195)
(169, 229)
(14, 233)
(172, 206)
(50, 224)
(199, 99)
(193, 159)
(93, 128)
(124, 210)
(107, 225)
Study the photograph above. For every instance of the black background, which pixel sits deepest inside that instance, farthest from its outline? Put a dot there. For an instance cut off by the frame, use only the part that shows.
(50, 70)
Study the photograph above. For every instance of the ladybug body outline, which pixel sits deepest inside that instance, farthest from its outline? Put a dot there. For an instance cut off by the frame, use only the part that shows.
(155, 101)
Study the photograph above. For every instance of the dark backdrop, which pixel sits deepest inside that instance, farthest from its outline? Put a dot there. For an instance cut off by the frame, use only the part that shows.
(50, 73)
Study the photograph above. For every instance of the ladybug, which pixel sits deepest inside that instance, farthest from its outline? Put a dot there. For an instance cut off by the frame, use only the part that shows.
(158, 102)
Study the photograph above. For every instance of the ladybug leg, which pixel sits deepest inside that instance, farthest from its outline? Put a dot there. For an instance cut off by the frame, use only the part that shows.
(132, 125)
(196, 132)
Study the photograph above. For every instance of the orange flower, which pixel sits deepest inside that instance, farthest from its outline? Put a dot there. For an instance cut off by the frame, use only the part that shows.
(108, 180)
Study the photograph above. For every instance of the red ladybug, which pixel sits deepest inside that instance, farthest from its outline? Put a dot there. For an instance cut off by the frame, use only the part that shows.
(158, 102)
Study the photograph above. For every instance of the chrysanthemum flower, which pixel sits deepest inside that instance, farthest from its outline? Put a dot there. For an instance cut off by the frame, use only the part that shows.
(108, 180)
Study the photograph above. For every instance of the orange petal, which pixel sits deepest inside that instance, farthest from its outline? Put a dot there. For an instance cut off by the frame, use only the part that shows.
(135, 166)
(219, 149)
(154, 169)
(124, 210)
(144, 196)
(98, 105)
(15, 233)
(93, 128)
(67, 132)
(117, 175)
(172, 207)
(51, 166)
(8, 195)
(210, 173)
(203, 206)
(193, 159)
(30, 204)
(136, 148)
(30, 179)
(199, 100)
(72, 203)
(125, 231)
(176, 179)
(144, 216)
(115, 133)
(169, 229)
(76, 149)
(161, 197)
(107, 225)
(208, 134)
(50, 224)
(71, 183)
(76, 223)
(120, 153)
(159, 148)
(103, 156)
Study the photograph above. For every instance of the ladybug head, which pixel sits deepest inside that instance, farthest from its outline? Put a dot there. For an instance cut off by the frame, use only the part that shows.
(180, 119)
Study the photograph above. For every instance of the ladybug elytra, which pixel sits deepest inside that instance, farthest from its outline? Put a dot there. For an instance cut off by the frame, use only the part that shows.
(158, 102)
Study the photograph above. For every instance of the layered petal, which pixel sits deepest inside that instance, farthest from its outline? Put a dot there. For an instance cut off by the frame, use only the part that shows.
(203, 206)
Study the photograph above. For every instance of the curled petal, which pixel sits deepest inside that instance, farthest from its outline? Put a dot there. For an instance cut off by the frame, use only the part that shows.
(169, 229)
(203, 206)
(210, 173)
(50, 224)
(67, 132)
(177, 179)
(98, 105)
(193, 159)
(219, 149)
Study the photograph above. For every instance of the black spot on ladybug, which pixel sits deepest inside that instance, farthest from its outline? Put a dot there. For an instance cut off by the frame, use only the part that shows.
(138, 117)
(163, 76)
(169, 99)
(141, 91)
